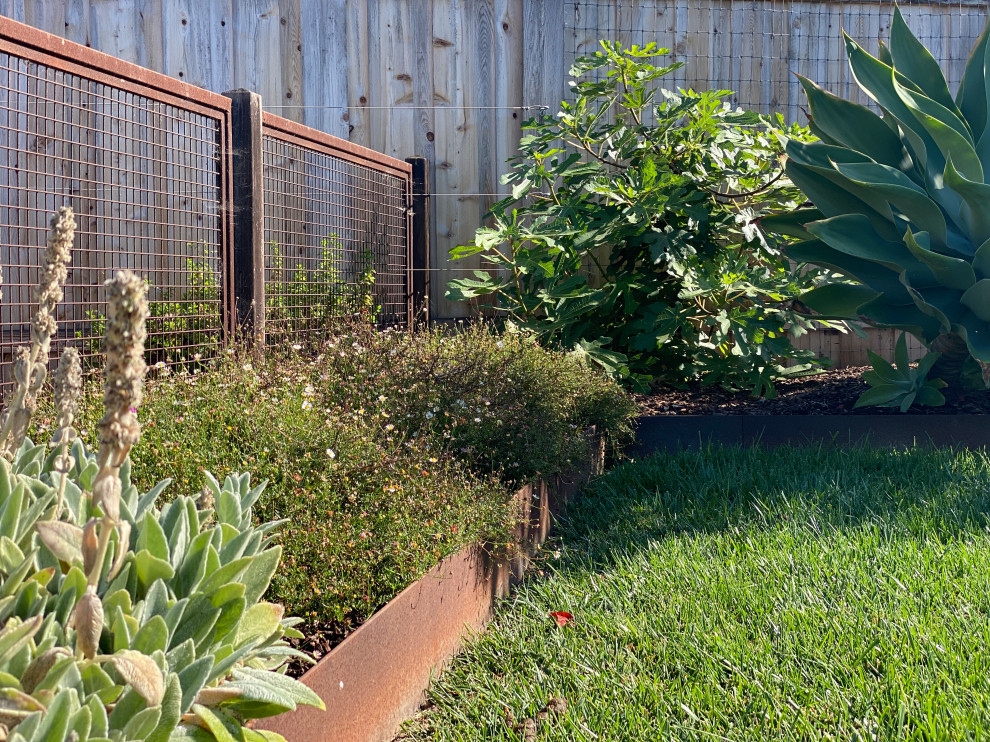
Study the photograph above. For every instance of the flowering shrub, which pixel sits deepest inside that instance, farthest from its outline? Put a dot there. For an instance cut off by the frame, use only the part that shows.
(384, 451)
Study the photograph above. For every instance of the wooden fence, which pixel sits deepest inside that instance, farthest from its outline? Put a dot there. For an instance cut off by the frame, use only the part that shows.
(452, 80)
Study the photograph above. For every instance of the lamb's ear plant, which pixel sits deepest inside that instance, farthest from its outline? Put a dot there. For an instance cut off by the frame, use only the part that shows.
(123, 619)
(902, 200)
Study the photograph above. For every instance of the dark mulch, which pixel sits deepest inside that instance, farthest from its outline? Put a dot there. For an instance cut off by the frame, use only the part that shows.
(831, 393)
(319, 637)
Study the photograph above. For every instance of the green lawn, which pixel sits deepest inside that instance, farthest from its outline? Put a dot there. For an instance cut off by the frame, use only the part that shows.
(728, 594)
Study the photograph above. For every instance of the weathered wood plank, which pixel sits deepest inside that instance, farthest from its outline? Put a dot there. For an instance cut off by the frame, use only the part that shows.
(115, 28)
(196, 45)
(48, 15)
(457, 169)
(483, 12)
(392, 78)
(77, 21)
(256, 39)
(747, 54)
(544, 68)
(290, 94)
(324, 78)
(358, 73)
(694, 44)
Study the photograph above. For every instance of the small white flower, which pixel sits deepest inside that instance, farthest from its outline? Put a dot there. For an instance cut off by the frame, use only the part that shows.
(230, 351)
(381, 397)
(197, 356)
(499, 344)
(390, 427)
(330, 454)
(477, 419)
(297, 346)
(309, 391)
(307, 405)
(247, 367)
(160, 364)
(429, 415)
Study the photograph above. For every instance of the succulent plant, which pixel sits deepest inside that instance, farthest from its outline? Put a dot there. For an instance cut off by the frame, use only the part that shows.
(901, 199)
(122, 619)
(899, 384)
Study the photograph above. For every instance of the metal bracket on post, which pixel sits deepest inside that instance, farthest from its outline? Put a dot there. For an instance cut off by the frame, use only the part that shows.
(248, 278)
(420, 237)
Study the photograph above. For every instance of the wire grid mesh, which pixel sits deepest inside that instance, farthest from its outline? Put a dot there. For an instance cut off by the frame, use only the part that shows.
(143, 178)
(336, 241)
(753, 48)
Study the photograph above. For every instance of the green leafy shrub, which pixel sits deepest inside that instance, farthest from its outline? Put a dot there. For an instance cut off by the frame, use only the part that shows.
(900, 385)
(629, 233)
(901, 201)
(123, 620)
(179, 329)
(305, 298)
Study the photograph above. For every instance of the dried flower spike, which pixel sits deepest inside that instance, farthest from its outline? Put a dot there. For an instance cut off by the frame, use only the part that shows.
(54, 270)
(30, 368)
(123, 384)
(67, 390)
(127, 313)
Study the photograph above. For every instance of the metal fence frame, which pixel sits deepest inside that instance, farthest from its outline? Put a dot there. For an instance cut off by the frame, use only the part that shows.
(241, 126)
(313, 141)
(65, 62)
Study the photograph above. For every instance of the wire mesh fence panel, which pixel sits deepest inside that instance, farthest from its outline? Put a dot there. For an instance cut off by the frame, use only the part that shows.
(336, 232)
(143, 172)
(754, 48)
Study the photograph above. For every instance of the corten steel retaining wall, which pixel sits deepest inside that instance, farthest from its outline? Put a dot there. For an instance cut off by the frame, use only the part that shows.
(378, 676)
(143, 160)
(219, 211)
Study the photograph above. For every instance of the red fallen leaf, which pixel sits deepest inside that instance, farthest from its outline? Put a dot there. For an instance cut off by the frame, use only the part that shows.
(561, 617)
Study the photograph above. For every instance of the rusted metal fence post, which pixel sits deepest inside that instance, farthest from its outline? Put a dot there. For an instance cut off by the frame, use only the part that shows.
(420, 238)
(248, 274)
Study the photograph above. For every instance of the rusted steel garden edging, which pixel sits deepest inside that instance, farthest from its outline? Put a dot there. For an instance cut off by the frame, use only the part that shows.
(670, 432)
(377, 677)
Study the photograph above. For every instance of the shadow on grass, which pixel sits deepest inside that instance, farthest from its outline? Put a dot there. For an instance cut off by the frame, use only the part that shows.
(923, 492)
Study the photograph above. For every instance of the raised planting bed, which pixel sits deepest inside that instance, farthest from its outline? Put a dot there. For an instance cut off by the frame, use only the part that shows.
(377, 677)
(670, 433)
(807, 410)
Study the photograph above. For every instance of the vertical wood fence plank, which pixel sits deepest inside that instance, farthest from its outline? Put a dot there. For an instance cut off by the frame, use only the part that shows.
(324, 66)
(357, 72)
(457, 169)
(695, 47)
(77, 21)
(290, 64)
(256, 38)
(485, 82)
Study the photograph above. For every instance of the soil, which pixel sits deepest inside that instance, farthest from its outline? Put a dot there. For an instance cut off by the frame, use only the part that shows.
(319, 637)
(833, 392)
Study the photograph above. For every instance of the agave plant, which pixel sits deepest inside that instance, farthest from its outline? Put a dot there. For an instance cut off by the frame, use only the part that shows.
(901, 199)
(899, 384)
(122, 619)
